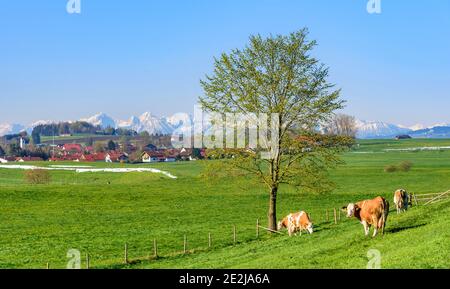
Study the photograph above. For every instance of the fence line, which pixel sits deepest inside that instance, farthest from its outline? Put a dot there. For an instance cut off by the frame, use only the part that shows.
(438, 198)
(430, 198)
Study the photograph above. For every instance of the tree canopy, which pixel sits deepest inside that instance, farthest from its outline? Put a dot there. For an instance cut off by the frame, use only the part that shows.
(279, 75)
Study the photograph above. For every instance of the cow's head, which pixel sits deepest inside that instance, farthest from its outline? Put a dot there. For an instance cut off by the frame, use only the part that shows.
(350, 209)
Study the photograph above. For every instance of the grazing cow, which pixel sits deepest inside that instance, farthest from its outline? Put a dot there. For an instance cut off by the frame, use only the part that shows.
(296, 222)
(401, 200)
(370, 212)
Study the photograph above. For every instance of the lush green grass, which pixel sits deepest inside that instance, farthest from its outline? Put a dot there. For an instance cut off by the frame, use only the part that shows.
(40, 223)
(417, 239)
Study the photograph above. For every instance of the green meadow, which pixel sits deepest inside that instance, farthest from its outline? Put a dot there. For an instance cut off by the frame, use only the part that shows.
(97, 213)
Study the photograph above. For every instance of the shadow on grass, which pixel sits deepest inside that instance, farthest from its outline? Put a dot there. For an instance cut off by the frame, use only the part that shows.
(403, 228)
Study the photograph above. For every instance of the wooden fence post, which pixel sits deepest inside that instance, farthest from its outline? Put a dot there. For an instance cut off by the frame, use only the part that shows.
(327, 215)
(48, 266)
(125, 259)
(87, 261)
(155, 248)
(257, 228)
(339, 215)
(185, 244)
(335, 216)
(234, 234)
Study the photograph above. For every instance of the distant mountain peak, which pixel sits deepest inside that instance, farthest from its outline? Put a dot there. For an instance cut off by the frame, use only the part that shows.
(378, 129)
(13, 128)
(101, 119)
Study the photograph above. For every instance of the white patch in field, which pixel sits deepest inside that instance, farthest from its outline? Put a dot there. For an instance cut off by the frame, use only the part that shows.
(86, 170)
(419, 149)
(126, 170)
(76, 167)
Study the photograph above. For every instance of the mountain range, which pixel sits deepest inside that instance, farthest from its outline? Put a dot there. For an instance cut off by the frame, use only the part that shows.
(180, 122)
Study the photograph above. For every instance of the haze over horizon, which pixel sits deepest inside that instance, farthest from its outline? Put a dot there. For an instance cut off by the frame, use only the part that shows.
(126, 59)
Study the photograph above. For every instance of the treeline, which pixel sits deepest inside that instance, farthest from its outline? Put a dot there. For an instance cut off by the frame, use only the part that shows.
(78, 127)
(13, 149)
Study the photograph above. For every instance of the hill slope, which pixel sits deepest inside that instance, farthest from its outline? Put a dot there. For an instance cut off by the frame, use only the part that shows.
(415, 239)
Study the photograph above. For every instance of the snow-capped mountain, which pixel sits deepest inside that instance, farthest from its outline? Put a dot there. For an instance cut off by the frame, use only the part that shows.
(379, 129)
(29, 128)
(442, 124)
(439, 131)
(181, 123)
(102, 120)
(133, 123)
(414, 127)
(14, 128)
(154, 125)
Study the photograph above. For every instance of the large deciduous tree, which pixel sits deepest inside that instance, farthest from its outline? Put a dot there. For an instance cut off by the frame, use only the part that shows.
(279, 75)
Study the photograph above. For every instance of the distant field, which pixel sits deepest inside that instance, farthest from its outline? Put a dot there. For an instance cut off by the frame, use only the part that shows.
(380, 145)
(65, 138)
(82, 211)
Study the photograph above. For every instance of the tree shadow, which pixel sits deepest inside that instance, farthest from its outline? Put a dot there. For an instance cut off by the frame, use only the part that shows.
(400, 229)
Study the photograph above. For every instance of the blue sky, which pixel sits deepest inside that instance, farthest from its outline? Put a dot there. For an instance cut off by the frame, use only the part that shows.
(127, 57)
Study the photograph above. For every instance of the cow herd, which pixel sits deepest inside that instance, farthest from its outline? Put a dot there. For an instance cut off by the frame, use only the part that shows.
(369, 213)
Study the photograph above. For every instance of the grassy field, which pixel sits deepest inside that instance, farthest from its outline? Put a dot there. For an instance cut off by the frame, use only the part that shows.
(40, 223)
(67, 138)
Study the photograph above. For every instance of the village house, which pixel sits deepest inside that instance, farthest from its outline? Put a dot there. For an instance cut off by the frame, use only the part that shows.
(167, 155)
(72, 148)
(186, 154)
(115, 156)
(152, 157)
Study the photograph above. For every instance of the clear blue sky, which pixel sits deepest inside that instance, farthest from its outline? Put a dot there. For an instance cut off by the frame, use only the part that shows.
(127, 57)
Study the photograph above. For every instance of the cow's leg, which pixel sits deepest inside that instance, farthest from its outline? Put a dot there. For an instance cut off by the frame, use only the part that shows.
(380, 224)
(375, 226)
(366, 228)
(292, 231)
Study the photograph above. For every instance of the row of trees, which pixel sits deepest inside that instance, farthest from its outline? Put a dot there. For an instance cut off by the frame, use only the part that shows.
(14, 149)
(78, 127)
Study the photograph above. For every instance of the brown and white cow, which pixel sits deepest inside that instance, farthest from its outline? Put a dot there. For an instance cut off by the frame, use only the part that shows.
(370, 213)
(401, 200)
(296, 222)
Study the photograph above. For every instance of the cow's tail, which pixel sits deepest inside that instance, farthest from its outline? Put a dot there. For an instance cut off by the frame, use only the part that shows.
(384, 215)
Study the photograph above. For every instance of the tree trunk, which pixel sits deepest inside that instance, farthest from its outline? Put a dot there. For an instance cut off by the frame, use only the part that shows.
(273, 209)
